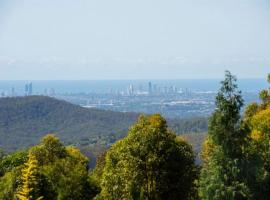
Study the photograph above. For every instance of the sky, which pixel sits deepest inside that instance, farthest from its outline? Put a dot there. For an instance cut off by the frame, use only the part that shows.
(133, 39)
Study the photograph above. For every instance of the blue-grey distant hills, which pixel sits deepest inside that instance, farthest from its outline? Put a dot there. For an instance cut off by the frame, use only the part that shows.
(24, 120)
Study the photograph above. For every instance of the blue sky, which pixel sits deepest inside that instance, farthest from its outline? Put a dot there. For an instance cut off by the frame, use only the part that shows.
(133, 39)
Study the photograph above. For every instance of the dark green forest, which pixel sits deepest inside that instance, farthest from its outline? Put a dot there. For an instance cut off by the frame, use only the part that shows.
(25, 120)
(146, 160)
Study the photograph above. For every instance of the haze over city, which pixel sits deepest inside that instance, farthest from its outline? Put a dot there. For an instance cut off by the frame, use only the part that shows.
(121, 39)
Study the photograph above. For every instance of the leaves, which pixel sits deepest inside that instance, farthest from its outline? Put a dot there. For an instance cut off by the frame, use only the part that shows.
(223, 155)
(150, 163)
(30, 189)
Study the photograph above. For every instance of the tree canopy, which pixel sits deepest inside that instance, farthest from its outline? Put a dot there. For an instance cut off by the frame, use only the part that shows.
(50, 171)
(223, 173)
(150, 163)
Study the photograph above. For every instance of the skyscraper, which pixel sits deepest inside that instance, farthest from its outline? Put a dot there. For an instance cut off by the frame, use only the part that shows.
(149, 88)
(130, 90)
(30, 89)
(26, 89)
(13, 92)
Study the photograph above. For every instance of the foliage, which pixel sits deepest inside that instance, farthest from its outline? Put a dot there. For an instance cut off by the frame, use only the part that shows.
(208, 148)
(24, 120)
(30, 189)
(224, 173)
(265, 97)
(150, 163)
(11, 161)
(196, 140)
(96, 173)
(189, 125)
(258, 122)
(49, 150)
(10, 173)
(8, 185)
(48, 171)
(64, 170)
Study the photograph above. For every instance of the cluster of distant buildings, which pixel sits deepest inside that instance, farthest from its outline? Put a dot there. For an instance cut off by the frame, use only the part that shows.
(27, 91)
(154, 89)
(131, 90)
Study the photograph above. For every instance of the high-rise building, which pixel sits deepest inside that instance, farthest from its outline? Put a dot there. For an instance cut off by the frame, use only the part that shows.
(149, 88)
(13, 92)
(30, 89)
(130, 90)
(175, 89)
(26, 89)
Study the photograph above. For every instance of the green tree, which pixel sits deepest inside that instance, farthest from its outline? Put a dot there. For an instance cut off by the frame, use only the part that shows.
(257, 117)
(150, 163)
(10, 173)
(30, 181)
(260, 135)
(68, 177)
(8, 186)
(49, 150)
(13, 160)
(225, 172)
(95, 175)
(64, 171)
(265, 97)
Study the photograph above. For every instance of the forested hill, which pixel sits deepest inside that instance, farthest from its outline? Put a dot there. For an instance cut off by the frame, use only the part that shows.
(24, 120)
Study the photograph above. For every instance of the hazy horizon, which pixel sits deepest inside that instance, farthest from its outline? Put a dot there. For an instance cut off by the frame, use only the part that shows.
(107, 86)
(137, 79)
(125, 40)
